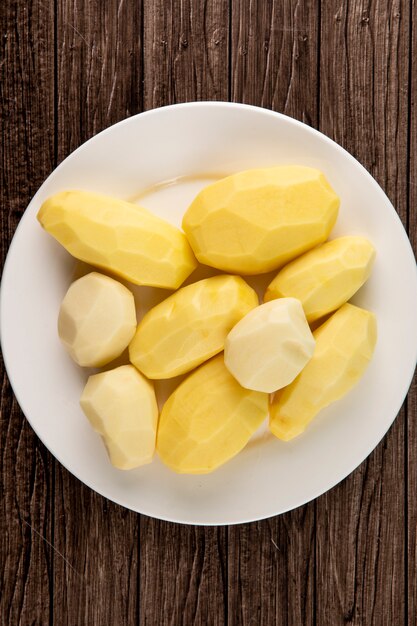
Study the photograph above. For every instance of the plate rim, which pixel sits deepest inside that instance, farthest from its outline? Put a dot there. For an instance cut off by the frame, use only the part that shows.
(131, 119)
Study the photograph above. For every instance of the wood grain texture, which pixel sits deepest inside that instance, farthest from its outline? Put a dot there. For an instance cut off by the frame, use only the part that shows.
(275, 56)
(27, 152)
(99, 67)
(98, 83)
(70, 68)
(411, 509)
(183, 570)
(183, 577)
(27, 113)
(185, 51)
(274, 64)
(96, 569)
(364, 73)
(411, 440)
(271, 570)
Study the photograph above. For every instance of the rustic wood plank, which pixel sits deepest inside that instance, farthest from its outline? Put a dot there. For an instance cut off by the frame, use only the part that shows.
(363, 105)
(411, 537)
(185, 51)
(275, 56)
(271, 570)
(99, 82)
(183, 574)
(27, 105)
(27, 152)
(99, 67)
(26, 575)
(274, 64)
(411, 512)
(96, 573)
(182, 569)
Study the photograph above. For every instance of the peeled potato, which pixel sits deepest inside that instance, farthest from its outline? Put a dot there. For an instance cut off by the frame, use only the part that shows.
(326, 277)
(344, 347)
(208, 419)
(258, 220)
(121, 406)
(269, 347)
(190, 326)
(120, 237)
(97, 319)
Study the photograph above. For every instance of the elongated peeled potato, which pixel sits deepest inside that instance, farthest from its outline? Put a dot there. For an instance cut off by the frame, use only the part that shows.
(118, 236)
(208, 419)
(190, 326)
(344, 346)
(121, 405)
(258, 220)
(325, 278)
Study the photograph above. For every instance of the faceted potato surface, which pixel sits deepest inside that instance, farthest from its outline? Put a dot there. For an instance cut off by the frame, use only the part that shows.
(326, 277)
(269, 347)
(119, 236)
(121, 406)
(208, 419)
(190, 326)
(258, 220)
(97, 319)
(344, 346)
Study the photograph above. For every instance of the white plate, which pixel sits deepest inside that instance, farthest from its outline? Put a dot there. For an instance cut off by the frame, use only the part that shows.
(269, 476)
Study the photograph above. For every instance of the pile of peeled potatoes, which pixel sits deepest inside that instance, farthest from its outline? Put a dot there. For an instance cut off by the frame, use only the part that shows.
(243, 360)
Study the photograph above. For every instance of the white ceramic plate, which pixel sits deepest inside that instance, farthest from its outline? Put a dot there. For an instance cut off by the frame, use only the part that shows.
(201, 140)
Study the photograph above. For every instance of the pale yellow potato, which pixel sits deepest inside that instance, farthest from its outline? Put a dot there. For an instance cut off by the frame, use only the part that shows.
(118, 236)
(325, 278)
(97, 319)
(190, 326)
(258, 220)
(208, 419)
(344, 346)
(121, 406)
(269, 347)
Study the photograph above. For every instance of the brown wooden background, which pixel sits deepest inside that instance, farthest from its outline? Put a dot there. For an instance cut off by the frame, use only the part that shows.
(70, 68)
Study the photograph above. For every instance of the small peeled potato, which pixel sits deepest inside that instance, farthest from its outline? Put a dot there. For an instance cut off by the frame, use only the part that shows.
(97, 319)
(121, 406)
(270, 346)
(190, 326)
(258, 220)
(119, 236)
(208, 419)
(326, 277)
(344, 346)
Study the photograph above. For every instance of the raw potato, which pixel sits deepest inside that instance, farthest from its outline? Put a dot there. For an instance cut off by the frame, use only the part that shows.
(326, 277)
(97, 319)
(270, 346)
(258, 220)
(121, 406)
(344, 347)
(190, 326)
(120, 237)
(208, 419)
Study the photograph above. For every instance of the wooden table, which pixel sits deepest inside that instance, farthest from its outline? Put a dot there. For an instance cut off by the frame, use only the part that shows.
(73, 67)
